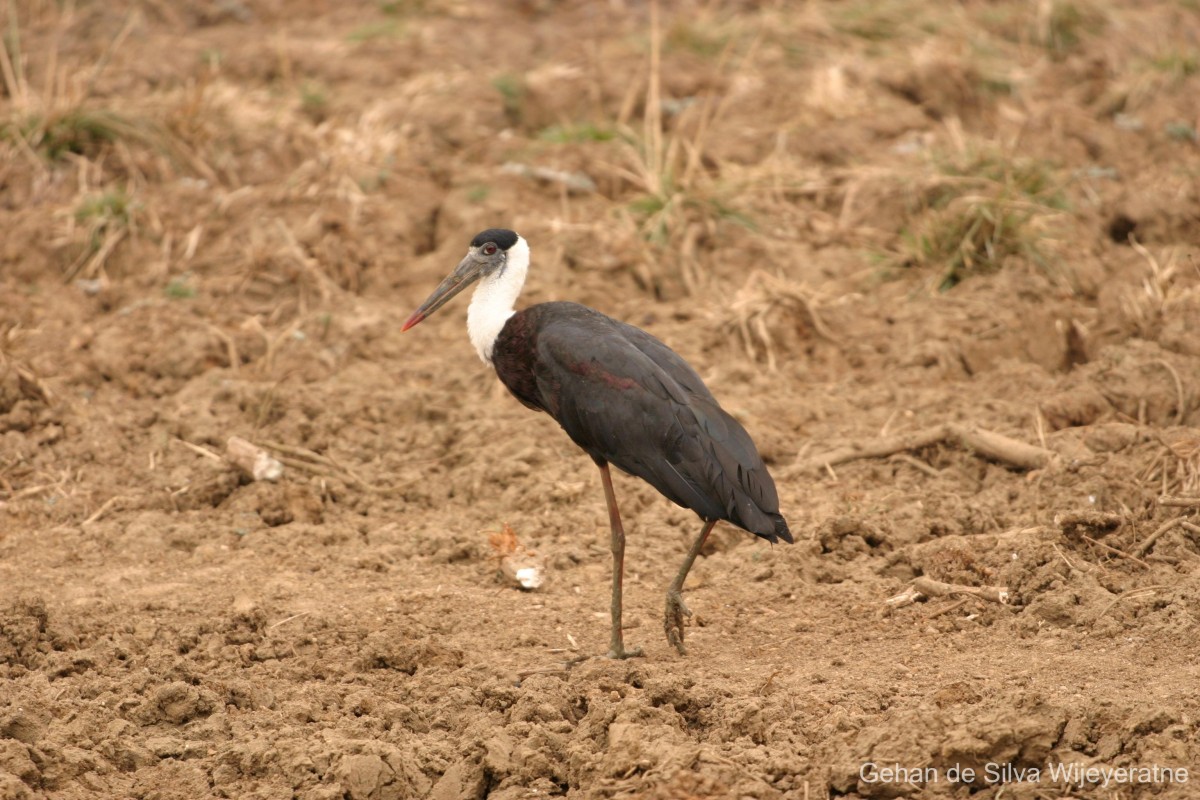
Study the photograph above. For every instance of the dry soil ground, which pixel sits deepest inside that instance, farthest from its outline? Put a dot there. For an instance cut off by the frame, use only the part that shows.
(859, 220)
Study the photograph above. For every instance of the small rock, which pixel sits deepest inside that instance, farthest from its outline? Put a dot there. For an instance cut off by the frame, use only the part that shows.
(165, 746)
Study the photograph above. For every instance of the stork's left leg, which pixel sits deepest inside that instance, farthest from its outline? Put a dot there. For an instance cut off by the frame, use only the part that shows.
(616, 647)
(676, 610)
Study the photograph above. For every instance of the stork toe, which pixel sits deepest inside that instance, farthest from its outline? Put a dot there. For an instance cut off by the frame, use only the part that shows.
(673, 620)
(619, 654)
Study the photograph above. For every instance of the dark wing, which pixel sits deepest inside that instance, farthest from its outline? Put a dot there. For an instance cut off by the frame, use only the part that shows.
(627, 398)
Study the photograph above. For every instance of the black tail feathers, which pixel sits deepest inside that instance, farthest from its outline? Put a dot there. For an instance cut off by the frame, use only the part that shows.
(781, 528)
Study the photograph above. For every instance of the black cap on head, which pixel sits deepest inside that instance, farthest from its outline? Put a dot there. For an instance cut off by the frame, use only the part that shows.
(503, 238)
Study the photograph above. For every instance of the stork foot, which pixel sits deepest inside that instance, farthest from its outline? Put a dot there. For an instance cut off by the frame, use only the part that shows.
(673, 620)
(620, 653)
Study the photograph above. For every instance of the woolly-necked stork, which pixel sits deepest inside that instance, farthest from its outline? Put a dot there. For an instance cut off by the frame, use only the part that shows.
(624, 397)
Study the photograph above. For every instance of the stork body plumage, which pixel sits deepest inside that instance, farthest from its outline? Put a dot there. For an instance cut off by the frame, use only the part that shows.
(624, 397)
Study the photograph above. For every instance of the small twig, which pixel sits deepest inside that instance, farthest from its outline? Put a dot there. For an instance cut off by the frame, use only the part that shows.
(131, 20)
(307, 466)
(1115, 551)
(887, 425)
(109, 504)
(32, 386)
(29, 491)
(770, 679)
(300, 452)
(288, 619)
(1152, 538)
(952, 607)
(905, 598)
(325, 285)
(1191, 526)
(1000, 448)
(1145, 475)
(1132, 594)
(203, 451)
(563, 667)
(984, 442)
(877, 448)
(231, 351)
(1181, 402)
(931, 588)
(328, 461)
(12, 64)
(1179, 502)
(572, 181)
(928, 469)
(91, 267)
(1063, 556)
(253, 460)
(927, 587)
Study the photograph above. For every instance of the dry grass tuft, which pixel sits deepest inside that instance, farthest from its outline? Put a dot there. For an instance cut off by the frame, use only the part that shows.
(770, 310)
(678, 198)
(59, 118)
(1062, 25)
(18, 379)
(1187, 450)
(26, 381)
(100, 222)
(1058, 27)
(877, 22)
(277, 270)
(1166, 289)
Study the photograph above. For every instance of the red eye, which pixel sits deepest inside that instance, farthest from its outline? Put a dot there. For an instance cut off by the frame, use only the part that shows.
(489, 249)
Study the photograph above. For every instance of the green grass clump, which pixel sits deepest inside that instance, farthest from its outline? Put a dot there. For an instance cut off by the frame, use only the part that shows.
(77, 131)
(974, 236)
(314, 101)
(390, 28)
(980, 213)
(877, 22)
(178, 288)
(703, 40)
(403, 8)
(1065, 26)
(1027, 178)
(103, 220)
(574, 133)
(660, 214)
(110, 208)
(1182, 132)
(1177, 64)
(512, 92)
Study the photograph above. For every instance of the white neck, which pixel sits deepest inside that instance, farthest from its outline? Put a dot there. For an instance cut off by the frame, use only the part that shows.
(492, 303)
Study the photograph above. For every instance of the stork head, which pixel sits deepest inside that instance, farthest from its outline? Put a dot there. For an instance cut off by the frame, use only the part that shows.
(487, 256)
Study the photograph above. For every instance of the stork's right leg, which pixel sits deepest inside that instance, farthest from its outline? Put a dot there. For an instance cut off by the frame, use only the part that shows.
(676, 610)
(616, 647)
